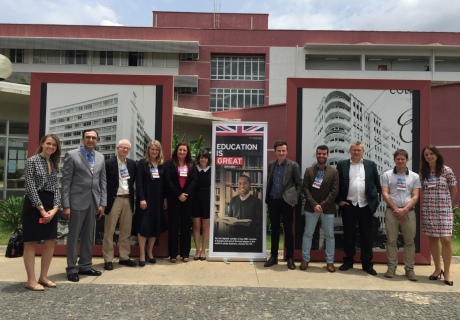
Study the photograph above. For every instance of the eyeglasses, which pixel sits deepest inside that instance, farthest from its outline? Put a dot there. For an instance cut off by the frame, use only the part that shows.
(124, 148)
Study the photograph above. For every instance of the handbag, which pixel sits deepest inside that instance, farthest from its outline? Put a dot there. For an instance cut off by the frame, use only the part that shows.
(15, 246)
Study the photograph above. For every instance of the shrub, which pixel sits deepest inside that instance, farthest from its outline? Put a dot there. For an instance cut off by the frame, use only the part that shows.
(11, 211)
(456, 231)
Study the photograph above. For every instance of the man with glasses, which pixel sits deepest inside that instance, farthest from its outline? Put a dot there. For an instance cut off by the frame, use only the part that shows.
(121, 175)
(84, 196)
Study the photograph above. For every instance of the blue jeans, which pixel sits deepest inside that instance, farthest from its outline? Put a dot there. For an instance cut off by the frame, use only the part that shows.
(327, 222)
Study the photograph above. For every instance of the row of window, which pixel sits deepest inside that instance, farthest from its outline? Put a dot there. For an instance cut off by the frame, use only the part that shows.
(103, 58)
(237, 68)
(85, 115)
(89, 106)
(228, 99)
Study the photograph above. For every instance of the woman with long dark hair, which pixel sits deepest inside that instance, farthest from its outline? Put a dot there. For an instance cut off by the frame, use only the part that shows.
(180, 175)
(41, 204)
(201, 204)
(150, 200)
(439, 189)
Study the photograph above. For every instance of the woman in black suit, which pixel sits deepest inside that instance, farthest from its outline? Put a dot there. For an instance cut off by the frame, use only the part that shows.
(201, 204)
(150, 221)
(41, 205)
(180, 175)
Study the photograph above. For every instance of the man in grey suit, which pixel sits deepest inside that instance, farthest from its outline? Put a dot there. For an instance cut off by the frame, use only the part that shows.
(284, 185)
(84, 196)
(358, 198)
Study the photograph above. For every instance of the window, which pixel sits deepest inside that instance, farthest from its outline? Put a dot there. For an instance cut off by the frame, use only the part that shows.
(237, 68)
(76, 56)
(160, 59)
(106, 58)
(188, 90)
(188, 56)
(228, 99)
(42, 56)
(17, 55)
(135, 59)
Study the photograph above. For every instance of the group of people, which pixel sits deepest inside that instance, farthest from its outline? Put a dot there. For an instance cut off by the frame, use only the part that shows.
(116, 188)
(355, 186)
(128, 194)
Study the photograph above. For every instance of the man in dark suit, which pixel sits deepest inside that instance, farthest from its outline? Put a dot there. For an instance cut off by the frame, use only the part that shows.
(84, 196)
(284, 185)
(358, 198)
(121, 175)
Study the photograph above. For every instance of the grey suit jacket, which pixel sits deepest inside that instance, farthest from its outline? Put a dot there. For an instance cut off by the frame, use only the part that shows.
(292, 182)
(372, 187)
(79, 185)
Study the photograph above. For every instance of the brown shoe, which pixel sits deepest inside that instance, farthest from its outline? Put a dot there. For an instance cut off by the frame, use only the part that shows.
(303, 265)
(330, 267)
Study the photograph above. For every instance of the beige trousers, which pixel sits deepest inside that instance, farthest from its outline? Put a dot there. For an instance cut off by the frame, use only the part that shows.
(121, 210)
(408, 230)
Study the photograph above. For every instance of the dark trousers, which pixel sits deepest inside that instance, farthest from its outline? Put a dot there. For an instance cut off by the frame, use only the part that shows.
(179, 220)
(352, 215)
(280, 209)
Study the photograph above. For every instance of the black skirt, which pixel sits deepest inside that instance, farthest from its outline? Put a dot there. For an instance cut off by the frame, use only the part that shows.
(33, 230)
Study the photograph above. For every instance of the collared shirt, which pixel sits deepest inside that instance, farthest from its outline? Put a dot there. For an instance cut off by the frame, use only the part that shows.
(89, 156)
(320, 173)
(356, 190)
(123, 187)
(276, 190)
(400, 186)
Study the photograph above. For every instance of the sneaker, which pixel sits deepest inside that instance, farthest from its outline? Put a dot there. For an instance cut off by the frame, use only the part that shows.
(410, 274)
(390, 272)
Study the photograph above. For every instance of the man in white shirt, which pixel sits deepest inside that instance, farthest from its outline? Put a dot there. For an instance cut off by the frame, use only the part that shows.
(358, 198)
(400, 190)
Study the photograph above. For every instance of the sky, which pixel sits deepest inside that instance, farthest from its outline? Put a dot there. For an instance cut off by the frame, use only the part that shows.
(378, 15)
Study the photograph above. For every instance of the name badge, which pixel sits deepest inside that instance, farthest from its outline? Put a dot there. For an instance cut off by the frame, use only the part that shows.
(401, 184)
(183, 171)
(431, 182)
(154, 172)
(124, 174)
(317, 183)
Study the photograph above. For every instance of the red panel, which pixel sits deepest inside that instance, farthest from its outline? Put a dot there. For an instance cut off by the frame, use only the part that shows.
(425, 89)
(37, 79)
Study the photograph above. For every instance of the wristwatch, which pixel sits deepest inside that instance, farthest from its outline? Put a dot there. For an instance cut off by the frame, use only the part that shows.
(40, 207)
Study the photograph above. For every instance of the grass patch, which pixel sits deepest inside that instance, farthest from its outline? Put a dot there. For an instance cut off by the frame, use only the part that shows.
(455, 246)
(5, 233)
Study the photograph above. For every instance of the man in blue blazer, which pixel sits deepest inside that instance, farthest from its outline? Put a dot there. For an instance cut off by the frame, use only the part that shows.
(121, 175)
(84, 196)
(358, 198)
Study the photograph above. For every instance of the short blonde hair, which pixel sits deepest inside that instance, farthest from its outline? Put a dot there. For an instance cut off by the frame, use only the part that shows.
(160, 158)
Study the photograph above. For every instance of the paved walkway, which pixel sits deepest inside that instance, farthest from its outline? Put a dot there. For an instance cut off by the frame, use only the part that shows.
(237, 290)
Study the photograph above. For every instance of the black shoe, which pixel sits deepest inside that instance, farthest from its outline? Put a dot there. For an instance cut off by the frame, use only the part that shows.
(439, 276)
(371, 271)
(91, 272)
(108, 266)
(449, 283)
(73, 277)
(128, 263)
(345, 267)
(141, 263)
(273, 260)
(291, 264)
(153, 260)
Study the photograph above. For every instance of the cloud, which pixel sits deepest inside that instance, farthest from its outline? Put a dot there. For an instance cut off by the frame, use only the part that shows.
(389, 15)
(77, 12)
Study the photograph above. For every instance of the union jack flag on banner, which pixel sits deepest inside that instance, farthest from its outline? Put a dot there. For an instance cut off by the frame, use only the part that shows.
(240, 130)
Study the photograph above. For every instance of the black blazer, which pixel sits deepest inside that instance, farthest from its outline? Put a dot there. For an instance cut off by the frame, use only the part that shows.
(111, 168)
(372, 187)
(173, 188)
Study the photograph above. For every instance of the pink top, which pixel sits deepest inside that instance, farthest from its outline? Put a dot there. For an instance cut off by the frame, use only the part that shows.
(182, 172)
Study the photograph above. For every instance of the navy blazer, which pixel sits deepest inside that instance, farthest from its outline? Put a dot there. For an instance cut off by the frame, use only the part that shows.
(111, 168)
(372, 187)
